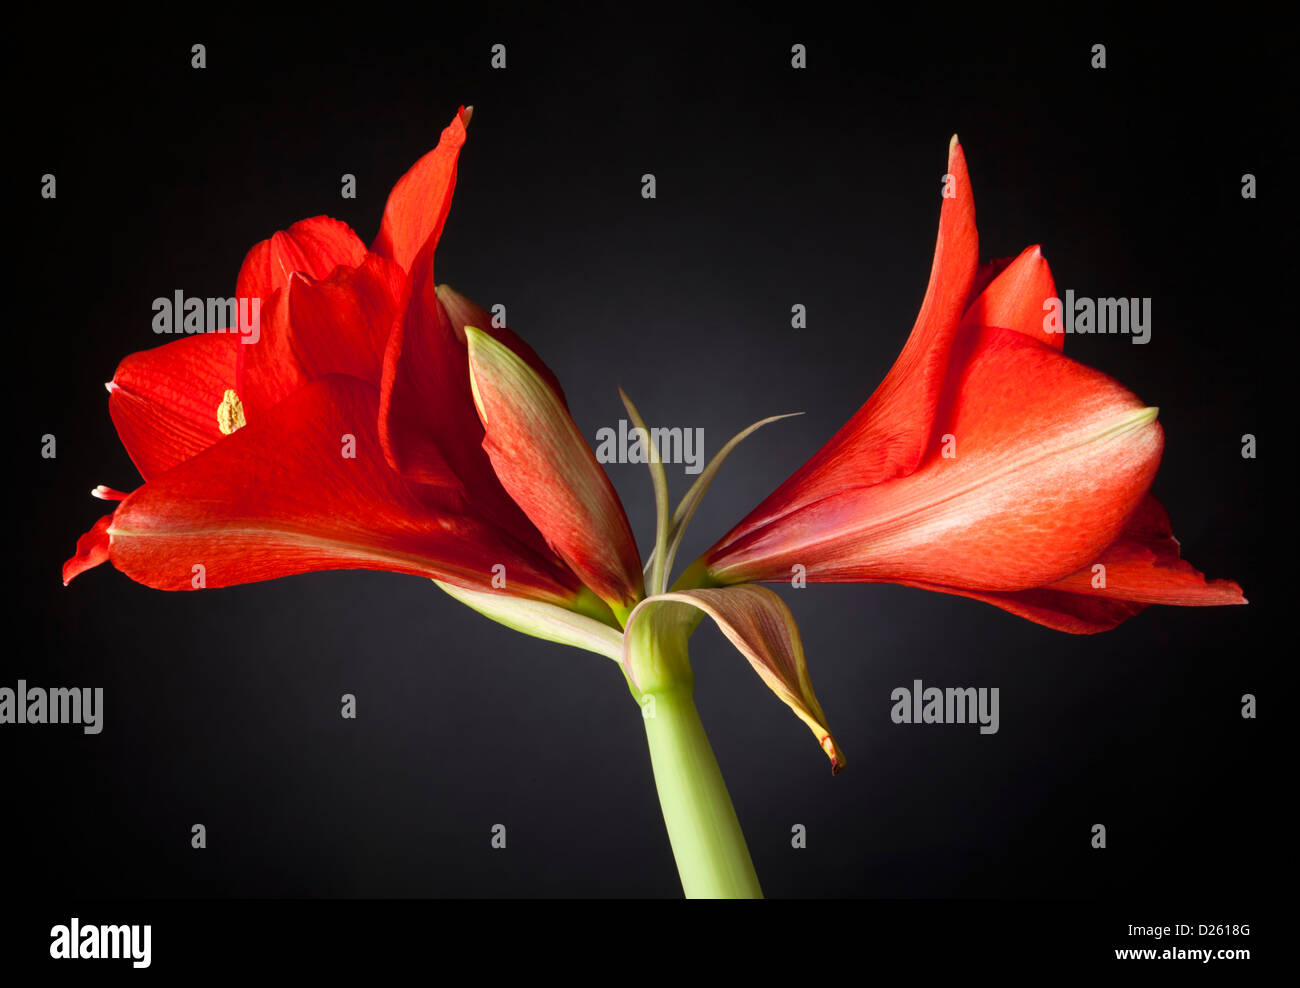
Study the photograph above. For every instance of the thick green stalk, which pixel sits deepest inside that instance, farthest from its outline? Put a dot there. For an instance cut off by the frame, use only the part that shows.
(712, 858)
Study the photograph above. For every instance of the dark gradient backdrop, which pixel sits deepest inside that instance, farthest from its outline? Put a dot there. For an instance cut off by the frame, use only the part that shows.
(775, 187)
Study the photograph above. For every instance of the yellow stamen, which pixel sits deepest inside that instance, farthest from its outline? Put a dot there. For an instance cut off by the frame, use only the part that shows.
(230, 413)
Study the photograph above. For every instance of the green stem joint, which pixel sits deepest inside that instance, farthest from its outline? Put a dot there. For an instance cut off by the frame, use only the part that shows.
(712, 858)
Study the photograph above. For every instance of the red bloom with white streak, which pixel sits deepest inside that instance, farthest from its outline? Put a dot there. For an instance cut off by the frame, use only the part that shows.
(986, 464)
(346, 436)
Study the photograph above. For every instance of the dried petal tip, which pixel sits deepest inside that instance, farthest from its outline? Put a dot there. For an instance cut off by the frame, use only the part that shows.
(833, 753)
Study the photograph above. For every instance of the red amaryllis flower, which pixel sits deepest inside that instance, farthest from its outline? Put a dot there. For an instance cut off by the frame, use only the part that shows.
(986, 464)
(343, 433)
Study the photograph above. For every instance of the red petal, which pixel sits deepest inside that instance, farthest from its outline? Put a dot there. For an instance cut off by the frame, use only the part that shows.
(986, 272)
(428, 426)
(278, 497)
(1142, 567)
(1077, 614)
(1014, 299)
(267, 371)
(92, 549)
(418, 205)
(889, 434)
(164, 401)
(427, 423)
(313, 328)
(1144, 564)
(313, 247)
(1051, 459)
(341, 325)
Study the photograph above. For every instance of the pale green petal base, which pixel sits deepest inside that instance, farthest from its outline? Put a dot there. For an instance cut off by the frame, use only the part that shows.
(546, 621)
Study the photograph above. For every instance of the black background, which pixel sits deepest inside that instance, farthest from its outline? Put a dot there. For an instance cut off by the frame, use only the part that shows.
(775, 187)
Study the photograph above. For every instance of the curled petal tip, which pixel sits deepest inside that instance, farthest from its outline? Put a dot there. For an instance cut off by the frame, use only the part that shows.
(834, 754)
(466, 113)
(418, 204)
(759, 624)
(92, 549)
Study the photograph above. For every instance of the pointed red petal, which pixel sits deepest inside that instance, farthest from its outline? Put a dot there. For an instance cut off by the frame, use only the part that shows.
(1051, 457)
(314, 247)
(280, 496)
(164, 401)
(418, 205)
(888, 435)
(1142, 567)
(1014, 299)
(92, 549)
(1145, 564)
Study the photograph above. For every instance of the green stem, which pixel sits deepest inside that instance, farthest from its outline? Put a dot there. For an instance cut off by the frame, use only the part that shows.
(712, 858)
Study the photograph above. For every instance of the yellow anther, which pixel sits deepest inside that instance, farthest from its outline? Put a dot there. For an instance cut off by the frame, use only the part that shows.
(230, 413)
